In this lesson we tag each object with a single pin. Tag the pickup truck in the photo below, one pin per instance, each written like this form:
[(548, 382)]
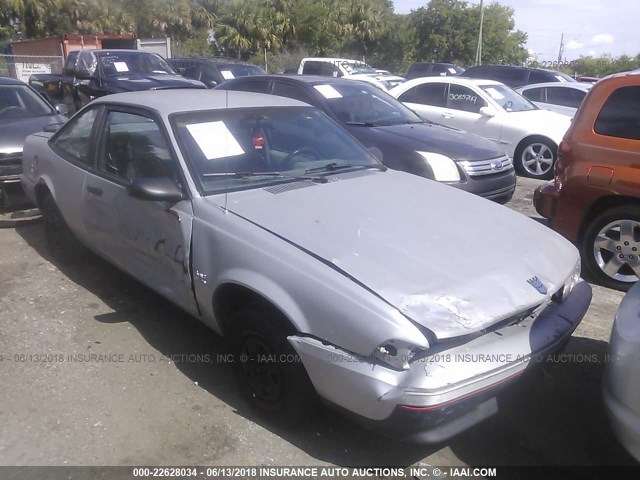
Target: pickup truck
[(90, 74)]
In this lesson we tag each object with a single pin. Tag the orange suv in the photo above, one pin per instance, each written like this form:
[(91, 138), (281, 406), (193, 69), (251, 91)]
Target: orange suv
[(594, 199)]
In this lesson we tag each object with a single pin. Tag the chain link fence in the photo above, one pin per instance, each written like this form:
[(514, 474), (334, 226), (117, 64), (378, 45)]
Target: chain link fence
[(22, 66)]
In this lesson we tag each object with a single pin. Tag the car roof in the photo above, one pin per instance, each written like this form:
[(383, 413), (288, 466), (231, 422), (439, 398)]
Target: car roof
[(331, 59), (10, 81), (306, 79), (216, 60), (575, 86), (170, 101), (452, 79)]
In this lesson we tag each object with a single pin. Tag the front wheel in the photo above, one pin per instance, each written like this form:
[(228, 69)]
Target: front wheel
[(535, 158), (611, 247), (270, 373)]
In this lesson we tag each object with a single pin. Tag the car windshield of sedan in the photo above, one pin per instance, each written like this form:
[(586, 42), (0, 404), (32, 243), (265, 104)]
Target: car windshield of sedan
[(508, 99), (357, 67), (19, 101), (124, 63), (236, 149), (366, 105)]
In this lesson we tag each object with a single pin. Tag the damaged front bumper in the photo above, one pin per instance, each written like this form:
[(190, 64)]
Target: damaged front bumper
[(443, 393)]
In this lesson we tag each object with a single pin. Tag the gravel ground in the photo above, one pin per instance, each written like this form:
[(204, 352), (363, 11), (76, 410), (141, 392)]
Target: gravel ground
[(145, 400)]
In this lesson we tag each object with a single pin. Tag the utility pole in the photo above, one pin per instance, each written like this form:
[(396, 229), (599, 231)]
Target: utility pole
[(479, 49), (561, 51)]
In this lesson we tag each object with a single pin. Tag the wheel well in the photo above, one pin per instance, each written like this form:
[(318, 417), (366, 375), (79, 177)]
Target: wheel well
[(230, 297), (41, 191), (531, 138), (602, 205)]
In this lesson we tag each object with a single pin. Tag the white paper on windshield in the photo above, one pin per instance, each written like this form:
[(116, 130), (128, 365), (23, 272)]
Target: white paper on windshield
[(327, 91), (452, 71), (495, 94), (227, 74), (215, 140), (121, 66)]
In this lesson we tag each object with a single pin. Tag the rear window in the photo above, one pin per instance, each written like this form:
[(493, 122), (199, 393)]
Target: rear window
[(620, 115)]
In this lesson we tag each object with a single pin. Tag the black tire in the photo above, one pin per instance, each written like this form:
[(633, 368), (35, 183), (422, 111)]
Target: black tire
[(621, 227), (542, 167), (62, 243), (270, 374)]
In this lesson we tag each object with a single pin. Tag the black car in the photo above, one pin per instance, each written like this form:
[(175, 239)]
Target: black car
[(395, 133), (515, 76), (23, 111), (213, 71), (432, 69), (90, 74)]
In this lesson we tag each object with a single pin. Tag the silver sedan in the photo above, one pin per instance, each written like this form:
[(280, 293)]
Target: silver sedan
[(406, 303)]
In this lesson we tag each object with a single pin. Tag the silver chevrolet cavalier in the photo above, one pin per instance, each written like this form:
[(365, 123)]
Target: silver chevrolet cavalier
[(406, 303)]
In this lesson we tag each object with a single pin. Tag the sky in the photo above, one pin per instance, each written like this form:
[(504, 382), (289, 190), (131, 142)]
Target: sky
[(590, 27)]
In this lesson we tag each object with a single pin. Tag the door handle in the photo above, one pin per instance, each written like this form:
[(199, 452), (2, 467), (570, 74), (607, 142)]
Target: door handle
[(95, 191)]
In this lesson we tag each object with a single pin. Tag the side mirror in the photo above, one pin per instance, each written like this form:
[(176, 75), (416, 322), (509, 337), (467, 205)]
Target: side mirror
[(155, 189), (211, 84), (62, 109), (487, 112)]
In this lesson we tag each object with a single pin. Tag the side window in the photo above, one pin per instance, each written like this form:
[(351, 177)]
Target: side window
[(567, 97), (70, 64), (620, 115), (465, 99), (535, 94), (134, 146), (510, 76), (312, 68), (330, 70), (189, 69), (255, 86), (540, 77), (208, 74), (291, 91), (426, 94), (74, 139)]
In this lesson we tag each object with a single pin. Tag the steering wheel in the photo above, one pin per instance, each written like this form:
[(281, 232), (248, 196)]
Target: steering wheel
[(303, 150), (5, 110)]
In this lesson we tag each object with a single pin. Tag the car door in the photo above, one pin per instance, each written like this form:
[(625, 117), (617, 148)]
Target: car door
[(149, 239), (463, 112), (428, 100), (74, 146)]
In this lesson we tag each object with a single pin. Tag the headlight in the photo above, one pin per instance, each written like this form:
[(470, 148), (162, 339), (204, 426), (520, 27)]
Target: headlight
[(444, 169), (395, 354), (570, 283)]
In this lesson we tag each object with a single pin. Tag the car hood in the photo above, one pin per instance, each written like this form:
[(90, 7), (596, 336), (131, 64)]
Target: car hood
[(426, 137), (13, 132), (551, 124), (134, 83), (447, 259)]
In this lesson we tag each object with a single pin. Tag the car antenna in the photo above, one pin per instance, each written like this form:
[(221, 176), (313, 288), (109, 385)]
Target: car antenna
[(226, 190)]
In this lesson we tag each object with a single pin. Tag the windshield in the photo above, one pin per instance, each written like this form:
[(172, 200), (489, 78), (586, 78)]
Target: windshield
[(236, 149), (354, 67), (19, 101), (358, 103), (134, 63), (508, 99), (239, 70), (389, 84)]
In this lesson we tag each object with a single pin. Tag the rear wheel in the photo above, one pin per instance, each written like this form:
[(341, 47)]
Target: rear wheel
[(271, 376), (611, 247), (61, 241), (536, 157)]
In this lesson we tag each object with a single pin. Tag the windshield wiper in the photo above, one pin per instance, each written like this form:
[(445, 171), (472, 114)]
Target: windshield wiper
[(362, 124), (330, 167), (246, 175)]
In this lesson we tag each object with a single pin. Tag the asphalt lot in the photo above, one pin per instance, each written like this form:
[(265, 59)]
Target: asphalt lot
[(149, 400)]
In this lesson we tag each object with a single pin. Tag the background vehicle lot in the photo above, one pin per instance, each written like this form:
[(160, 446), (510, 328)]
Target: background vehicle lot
[(149, 411)]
